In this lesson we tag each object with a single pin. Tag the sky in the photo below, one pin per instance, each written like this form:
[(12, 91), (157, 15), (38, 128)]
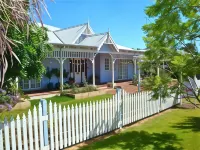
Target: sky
[(124, 18)]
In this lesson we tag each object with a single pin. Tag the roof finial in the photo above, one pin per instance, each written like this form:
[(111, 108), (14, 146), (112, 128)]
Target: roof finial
[(88, 21), (109, 31)]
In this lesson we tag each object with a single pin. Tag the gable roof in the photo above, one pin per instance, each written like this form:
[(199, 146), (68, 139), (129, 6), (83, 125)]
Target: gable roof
[(70, 35), (95, 40)]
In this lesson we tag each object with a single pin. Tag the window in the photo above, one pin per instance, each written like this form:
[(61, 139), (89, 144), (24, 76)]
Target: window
[(123, 69), (25, 84), (107, 64), (30, 84)]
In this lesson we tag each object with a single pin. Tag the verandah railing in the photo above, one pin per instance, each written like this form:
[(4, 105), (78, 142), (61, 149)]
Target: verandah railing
[(57, 127)]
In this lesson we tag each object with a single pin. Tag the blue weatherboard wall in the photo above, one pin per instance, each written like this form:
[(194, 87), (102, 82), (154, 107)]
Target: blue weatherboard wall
[(105, 75), (53, 63)]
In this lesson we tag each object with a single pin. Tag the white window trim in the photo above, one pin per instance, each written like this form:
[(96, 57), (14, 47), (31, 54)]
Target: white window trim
[(109, 64), (29, 85)]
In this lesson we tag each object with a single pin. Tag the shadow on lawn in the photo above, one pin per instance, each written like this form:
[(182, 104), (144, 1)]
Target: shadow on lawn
[(139, 141), (190, 123)]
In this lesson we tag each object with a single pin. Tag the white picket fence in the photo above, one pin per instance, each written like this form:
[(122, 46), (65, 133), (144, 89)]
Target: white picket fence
[(68, 126)]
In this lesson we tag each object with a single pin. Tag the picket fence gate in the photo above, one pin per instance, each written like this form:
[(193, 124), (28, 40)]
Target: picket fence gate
[(58, 127)]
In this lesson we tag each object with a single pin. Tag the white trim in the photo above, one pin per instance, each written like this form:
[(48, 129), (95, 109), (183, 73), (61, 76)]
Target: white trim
[(29, 85), (124, 70), (109, 64), (102, 43), (114, 43), (79, 35)]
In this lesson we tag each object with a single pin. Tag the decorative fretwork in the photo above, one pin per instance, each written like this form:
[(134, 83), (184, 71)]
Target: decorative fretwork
[(69, 54)]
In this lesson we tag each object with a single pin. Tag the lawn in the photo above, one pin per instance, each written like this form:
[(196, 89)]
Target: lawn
[(178, 129), (63, 100)]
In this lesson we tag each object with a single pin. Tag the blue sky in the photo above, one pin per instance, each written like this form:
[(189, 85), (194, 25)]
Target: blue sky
[(124, 18)]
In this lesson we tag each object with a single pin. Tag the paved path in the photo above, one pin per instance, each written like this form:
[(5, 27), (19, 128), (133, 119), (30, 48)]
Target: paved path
[(127, 86)]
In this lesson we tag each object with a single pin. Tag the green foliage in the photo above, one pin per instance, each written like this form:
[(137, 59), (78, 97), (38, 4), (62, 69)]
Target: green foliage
[(75, 89), (56, 72), (4, 99), (65, 73), (49, 74), (85, 83), (171, 39), (31, 49), (158, 85), (135, 79), (66, 86), (88, 88)]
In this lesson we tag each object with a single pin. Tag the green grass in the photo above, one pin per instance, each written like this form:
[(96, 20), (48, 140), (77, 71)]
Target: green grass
[(175, 130), (63, 100)]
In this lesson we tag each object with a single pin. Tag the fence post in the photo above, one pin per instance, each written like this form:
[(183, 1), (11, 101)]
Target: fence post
[(119, 101), (45, 122)]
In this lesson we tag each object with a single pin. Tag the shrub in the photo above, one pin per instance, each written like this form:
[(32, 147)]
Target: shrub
[(57, 85), (7, 100), (85, 83), (66, 86), (75, 90), (91, 88), (135, 79), (74, 85), (88, 88), (64, 93), (50, 86)]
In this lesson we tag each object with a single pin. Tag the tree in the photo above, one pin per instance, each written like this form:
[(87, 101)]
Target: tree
[(31, 51), (171, 39), (16, 14)]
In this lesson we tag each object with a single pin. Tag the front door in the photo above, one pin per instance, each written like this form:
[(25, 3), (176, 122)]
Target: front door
[(78, 69), (123, 70)]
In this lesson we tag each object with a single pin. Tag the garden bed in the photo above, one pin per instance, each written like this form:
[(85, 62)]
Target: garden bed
[(86, 95), (22, 104)]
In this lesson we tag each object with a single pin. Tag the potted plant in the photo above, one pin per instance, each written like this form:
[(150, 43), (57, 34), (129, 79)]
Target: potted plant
[(49, 75)]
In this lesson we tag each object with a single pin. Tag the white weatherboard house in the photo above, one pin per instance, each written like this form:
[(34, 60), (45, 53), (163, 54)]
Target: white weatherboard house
[(86, 55)]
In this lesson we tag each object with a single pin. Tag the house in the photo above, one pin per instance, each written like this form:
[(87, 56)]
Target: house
[(86, 55)]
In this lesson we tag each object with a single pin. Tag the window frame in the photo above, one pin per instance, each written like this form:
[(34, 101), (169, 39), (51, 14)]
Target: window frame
[(107, 64), (26, 84)]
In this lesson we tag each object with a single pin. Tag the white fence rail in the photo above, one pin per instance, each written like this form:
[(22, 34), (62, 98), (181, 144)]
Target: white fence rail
[(66, 126)]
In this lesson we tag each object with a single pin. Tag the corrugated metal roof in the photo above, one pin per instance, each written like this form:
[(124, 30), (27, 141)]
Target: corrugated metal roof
[(50, 28), (53, 39), (123, 47), (95, 40), (70, 35)]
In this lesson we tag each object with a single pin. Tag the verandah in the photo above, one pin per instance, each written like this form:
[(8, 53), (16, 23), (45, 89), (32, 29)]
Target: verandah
[(78, 57)]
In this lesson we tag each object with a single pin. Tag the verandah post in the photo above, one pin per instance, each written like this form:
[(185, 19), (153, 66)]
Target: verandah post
[(45, 122), (61, 71), (119, 106), (139, 78), (93, 71)]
